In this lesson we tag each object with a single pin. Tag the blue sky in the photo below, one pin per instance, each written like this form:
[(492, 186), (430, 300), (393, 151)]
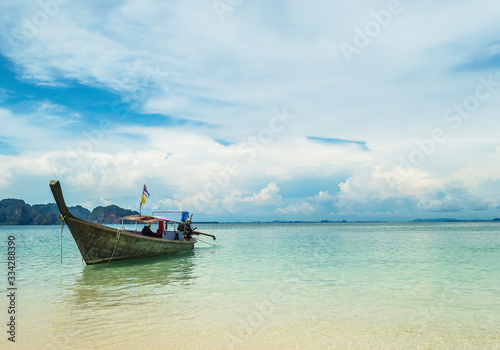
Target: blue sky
[(250, 110)]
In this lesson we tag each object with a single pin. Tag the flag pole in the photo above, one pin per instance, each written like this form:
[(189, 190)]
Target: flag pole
[(140, 207), (140, 210), (143, 201)]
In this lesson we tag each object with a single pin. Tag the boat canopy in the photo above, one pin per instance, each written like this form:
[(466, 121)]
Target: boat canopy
[(145, 219)]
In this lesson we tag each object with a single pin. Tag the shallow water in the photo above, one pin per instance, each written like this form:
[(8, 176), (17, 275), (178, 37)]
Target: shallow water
[(288, 286)]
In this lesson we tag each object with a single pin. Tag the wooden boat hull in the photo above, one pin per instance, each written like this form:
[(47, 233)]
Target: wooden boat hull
[(100, 244)]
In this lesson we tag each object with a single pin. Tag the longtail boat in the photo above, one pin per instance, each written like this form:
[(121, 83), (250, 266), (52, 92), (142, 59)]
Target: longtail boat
[(101, 244)]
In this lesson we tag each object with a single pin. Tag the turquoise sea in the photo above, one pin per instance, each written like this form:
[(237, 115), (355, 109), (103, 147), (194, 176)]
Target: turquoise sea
[(265, 286)]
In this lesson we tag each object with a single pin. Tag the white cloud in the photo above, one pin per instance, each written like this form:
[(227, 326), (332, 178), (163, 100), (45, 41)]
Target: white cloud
[(232, 203), (208, 60), (180, 60), (301, 209), (267, 196)]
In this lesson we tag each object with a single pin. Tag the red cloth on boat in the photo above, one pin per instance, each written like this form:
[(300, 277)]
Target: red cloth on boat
[(160, 228)]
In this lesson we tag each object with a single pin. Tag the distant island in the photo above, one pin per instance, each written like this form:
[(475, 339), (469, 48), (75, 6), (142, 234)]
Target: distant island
[(17, 212), (451, 220)]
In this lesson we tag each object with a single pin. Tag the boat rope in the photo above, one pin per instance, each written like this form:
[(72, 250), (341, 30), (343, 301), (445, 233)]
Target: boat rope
[(62, 228), (118, 232), (216, 245)]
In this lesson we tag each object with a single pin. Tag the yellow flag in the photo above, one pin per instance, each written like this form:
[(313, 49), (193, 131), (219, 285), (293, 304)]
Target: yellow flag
[(143, 200)]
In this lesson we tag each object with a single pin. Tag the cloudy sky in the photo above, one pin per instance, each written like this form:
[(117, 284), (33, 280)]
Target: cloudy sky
[(254, 110)]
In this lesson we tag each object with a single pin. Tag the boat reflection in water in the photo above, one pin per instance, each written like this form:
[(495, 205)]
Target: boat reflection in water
[(125, 282), (113, 305)]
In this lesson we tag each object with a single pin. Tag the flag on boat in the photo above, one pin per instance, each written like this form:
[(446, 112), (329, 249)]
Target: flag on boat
[(144, 194)]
